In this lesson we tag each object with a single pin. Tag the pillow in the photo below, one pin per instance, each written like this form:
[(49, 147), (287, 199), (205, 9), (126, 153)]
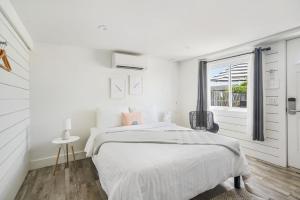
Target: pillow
[(149, 113), (110, 117), (133, 118)]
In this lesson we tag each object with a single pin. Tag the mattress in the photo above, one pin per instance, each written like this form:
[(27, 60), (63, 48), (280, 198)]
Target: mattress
[(147, 171)]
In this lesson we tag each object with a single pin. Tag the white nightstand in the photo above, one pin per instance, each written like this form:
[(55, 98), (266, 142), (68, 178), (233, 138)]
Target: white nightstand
[(61, 142)]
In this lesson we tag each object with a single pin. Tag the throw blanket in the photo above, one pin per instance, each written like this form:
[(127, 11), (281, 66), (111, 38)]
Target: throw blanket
[(166, 137)]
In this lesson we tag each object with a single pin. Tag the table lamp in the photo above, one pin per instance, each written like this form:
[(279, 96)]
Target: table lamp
[(68, 126)]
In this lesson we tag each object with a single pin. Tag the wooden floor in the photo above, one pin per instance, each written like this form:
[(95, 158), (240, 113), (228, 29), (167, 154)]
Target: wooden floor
[(80, 182)]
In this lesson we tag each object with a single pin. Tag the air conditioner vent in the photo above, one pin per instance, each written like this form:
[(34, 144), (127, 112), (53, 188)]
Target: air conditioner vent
[(129, 67), (126, 61)]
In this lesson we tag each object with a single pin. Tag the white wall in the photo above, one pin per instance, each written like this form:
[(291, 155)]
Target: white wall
[(14, 112), (188, 88), (68, 81), (235, 124)]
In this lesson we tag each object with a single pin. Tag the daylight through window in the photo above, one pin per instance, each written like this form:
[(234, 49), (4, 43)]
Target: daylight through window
[(228, 85)]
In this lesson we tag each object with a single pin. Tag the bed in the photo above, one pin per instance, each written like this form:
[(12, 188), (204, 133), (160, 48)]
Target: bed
[(157, 169)]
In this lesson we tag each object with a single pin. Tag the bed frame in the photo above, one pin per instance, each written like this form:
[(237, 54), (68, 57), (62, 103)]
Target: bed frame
[(237, 185)]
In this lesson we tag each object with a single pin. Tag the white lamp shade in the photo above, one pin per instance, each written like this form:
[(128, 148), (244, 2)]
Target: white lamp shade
[(68, 124)]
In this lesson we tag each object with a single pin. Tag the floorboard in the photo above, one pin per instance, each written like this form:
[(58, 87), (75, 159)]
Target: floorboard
[(80, 182)]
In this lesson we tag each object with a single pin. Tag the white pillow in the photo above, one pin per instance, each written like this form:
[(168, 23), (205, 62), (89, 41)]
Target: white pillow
[(149, 113), (110, 117)]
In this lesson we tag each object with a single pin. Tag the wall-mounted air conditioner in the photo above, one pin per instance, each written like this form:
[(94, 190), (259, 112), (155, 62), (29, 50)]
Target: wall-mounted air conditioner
[(127, 61)]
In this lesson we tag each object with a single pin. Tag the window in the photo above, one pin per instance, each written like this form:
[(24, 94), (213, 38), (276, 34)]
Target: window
[(219, 85), (227, 84), (239, 75)]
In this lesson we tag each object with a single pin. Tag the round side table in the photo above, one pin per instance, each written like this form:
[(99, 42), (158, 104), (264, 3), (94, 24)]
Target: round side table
[(61, 142)]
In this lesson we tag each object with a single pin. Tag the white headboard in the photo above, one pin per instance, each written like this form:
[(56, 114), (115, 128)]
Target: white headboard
[(111, 116)]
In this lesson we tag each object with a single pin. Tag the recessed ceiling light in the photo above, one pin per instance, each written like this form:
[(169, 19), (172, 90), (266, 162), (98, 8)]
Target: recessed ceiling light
[(102, 27)]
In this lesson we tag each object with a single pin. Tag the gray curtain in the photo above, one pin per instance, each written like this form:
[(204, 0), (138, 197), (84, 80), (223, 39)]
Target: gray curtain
[(202, 94), (258, 105)]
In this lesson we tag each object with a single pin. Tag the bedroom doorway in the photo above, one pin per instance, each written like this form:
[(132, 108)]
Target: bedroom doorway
[(293, 95)]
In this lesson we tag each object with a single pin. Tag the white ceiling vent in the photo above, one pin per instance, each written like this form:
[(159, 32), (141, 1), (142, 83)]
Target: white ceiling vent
[(127, 61)]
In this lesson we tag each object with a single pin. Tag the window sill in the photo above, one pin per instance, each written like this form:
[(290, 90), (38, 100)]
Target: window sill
[(228, 109)]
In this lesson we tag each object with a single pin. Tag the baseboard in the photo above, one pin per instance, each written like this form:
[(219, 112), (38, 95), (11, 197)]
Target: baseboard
[(49, 161)]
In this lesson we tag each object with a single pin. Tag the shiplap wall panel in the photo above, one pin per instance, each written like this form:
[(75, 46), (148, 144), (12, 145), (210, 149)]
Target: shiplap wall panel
[(16, 176), (232, 114), (10, 120), (14, 54), (267, 143), (272, 117), (10, 163), (259, 153), (232, 120), (8, 32), (260, 147), (7, 135), (273, 134), (234, 123), (8, 149), (9, 92), (272, 92), (271, 66), (271, 58), (236, 128), (17, 60), (17, 57), (237, 135), (271, 109), (19, 70), (14, 113), (275, 49), (272, 125), (13, 80), (11, 106), (274, 61)]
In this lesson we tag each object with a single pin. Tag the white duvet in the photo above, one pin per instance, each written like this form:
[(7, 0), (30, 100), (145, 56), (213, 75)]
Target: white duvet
[(147, 171)]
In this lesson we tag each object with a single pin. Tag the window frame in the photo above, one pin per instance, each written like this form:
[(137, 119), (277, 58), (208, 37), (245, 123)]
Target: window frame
[(229, 62)]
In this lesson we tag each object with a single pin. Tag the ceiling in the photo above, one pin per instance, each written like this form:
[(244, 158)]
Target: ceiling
[(173, 29)]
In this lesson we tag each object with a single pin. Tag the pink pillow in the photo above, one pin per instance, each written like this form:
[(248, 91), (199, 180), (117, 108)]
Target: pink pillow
[(133, 118)]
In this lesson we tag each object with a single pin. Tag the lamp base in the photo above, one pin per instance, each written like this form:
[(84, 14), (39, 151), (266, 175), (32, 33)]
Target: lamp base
[(66, 135)]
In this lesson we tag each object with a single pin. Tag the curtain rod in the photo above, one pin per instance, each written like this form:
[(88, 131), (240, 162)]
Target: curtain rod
[(242, 54)]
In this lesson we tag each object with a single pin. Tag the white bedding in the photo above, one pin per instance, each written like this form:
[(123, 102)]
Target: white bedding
[(143, 171)]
